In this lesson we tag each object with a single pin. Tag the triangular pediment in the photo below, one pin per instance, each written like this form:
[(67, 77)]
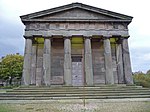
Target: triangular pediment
[(76, 11)]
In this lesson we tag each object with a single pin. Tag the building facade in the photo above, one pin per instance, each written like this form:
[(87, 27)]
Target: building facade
[(76, 45)]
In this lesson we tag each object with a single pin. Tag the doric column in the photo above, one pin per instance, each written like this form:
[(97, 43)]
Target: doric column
[(47, 61), (119, 62), (67, 61), (108, 61), (33, 65), (27, 62), (39, 65), (126, 62), (88, 62)]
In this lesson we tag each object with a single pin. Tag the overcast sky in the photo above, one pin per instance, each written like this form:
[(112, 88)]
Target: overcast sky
[(12, 30)]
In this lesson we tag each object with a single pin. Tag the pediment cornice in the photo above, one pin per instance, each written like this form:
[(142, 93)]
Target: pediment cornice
[(78, 12)]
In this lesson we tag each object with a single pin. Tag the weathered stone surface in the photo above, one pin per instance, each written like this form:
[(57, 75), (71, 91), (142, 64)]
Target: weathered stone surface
[(114, 62), (98, 61), (33, 64), (77, 13), (47, 62), (57, 80), (119, 64), (27, 62), (83, 32), (39, 66), (53, 65), (88, 62), (57, 60), (77, 72), (74, 26), (126, 62), (108, 62), (67, 62), (99, 79)]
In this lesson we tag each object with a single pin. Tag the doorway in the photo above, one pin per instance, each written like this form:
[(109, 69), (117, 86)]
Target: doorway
[(77, 71)]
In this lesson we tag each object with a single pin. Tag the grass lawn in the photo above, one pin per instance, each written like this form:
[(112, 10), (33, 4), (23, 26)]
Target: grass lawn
[(76, 106)]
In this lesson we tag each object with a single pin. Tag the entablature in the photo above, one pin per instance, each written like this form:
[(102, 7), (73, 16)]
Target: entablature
[(103, 33)]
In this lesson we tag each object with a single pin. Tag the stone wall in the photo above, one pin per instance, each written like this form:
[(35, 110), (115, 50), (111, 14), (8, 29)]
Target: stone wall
[(113, 52), (98, 61), (57, 68)]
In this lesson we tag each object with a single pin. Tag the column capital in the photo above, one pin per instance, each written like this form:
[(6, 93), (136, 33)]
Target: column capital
[(37, 35), (125, 37), (28, 37), (106, 37), (87, 37), (67, 37), (119, 41), (47, 37)]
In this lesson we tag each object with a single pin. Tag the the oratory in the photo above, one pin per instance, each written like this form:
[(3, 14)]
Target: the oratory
[(76, 45)]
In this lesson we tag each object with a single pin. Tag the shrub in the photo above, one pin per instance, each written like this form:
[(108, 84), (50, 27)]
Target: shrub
[(142, 79)]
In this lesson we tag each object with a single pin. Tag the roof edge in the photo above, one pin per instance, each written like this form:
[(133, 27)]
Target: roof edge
[(75, 5)]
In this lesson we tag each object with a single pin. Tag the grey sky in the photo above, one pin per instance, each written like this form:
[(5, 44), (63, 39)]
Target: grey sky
[(11, 28)]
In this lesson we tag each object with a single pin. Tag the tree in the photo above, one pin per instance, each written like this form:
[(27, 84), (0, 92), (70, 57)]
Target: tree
[(142, 79), (11, 67), (148, 72)]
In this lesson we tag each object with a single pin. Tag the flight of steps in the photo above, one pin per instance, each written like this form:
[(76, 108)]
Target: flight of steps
[(66, 92)]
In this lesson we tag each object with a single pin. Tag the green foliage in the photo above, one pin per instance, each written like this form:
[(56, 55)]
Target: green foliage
[(142, 79), (11, 67), (148, 72)]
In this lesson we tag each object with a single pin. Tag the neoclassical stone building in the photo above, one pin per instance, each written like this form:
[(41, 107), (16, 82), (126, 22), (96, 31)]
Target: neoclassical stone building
[(76, 45)]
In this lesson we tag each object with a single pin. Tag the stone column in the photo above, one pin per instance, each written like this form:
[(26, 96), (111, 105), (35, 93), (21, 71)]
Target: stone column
[(47, 61), (33, 65), (39, 65), (119, 62), (126, 62), (27, 62), (108, 62), (88, 62), (67, 61)]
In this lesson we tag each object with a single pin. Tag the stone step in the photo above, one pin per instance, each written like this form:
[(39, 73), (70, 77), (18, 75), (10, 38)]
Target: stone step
[(71, 97), (79, 92), (75, 90), (65, 92), (77, 87), (73, 94)]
